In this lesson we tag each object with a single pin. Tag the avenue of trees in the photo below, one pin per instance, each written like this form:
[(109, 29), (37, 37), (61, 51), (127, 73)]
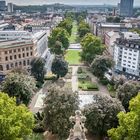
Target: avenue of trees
[(58, 41), (91, 46), (59, 67), (83, 28), (38, 69)]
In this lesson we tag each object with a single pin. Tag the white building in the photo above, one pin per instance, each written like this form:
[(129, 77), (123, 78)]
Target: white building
[(10, 7), (127, 53)]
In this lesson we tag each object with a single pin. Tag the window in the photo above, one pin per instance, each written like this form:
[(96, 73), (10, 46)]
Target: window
[(1, 68), (129, 62), (11, 65), (134, 58), (28, 62), (10, 51), (27, 54), (19, 55), (24, 63), (7, 67), (129, 57), (10, 57), (20, 63), (6, 58), (23, 49), (130, 53), (5, 52), (0, 58), (27, 48), (18, 50), (31, 48), (16, 64), (31, 53), (14, 50), (15, 57), (128, 65), (23, 55), (133, 66)]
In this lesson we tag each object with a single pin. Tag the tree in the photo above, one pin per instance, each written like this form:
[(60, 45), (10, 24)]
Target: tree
[(58, 35), (60, 104), (100, 65), (91, 46), (126, 92), (59, 67), (101, 114), (129, 123), (137, 30), (83, 29), (16, 122), (20, 86), (38, 69), (66, 24)]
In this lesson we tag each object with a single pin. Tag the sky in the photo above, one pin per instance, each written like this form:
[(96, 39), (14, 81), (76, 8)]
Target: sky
[(80, 2)]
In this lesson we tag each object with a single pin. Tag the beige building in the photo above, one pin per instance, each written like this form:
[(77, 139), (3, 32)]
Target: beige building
[(14, 54)]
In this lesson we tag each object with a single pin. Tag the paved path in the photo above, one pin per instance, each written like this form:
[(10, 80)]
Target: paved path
[(75, 46), (74, 79)]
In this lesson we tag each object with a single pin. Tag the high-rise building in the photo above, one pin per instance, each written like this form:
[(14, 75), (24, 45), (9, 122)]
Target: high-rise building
[(10, 7), (2, 5), (126, 8)]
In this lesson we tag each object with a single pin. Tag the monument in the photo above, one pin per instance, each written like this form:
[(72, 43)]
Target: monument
[(78, 131)]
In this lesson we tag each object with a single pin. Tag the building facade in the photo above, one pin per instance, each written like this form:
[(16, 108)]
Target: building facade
[(19, 52), (14, 54), (2, 5), (127, 54), (10, 7), (126, 8)]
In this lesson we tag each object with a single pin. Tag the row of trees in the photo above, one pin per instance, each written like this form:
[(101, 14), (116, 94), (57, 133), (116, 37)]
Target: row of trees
[(58, 41), (83, 27)]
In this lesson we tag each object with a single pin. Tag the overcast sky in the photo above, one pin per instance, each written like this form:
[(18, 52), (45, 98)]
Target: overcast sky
[(90, 2)]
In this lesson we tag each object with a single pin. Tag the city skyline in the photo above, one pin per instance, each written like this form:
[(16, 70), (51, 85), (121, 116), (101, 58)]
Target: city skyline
[(80, 2)]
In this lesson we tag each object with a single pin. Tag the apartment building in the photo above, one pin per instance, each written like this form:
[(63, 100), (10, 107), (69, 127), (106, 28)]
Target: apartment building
[(127, 53), (110, 38)]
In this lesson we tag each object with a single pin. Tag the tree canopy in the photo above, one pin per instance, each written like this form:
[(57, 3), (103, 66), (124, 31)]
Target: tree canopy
[(60, 104), (59, 67), (58, 35), (66, 24), (91, 46), (83, 29), (16, 122), (129, 123), (101, 114), (126, 92), (38, 69), (20, 86), (100, 65)]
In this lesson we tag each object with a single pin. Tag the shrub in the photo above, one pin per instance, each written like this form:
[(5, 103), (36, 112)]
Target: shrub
[(50, 77), (104, 81)]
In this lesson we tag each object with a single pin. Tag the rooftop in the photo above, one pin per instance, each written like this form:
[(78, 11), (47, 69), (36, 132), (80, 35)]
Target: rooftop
[(13, 43)]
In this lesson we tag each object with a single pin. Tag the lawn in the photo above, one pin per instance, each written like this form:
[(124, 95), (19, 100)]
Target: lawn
[(88, 86), (73, 37), (73, 57)]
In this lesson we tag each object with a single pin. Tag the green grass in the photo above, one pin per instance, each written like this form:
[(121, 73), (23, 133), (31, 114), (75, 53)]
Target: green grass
[(73, 57), (88, 86), (74, 36)]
